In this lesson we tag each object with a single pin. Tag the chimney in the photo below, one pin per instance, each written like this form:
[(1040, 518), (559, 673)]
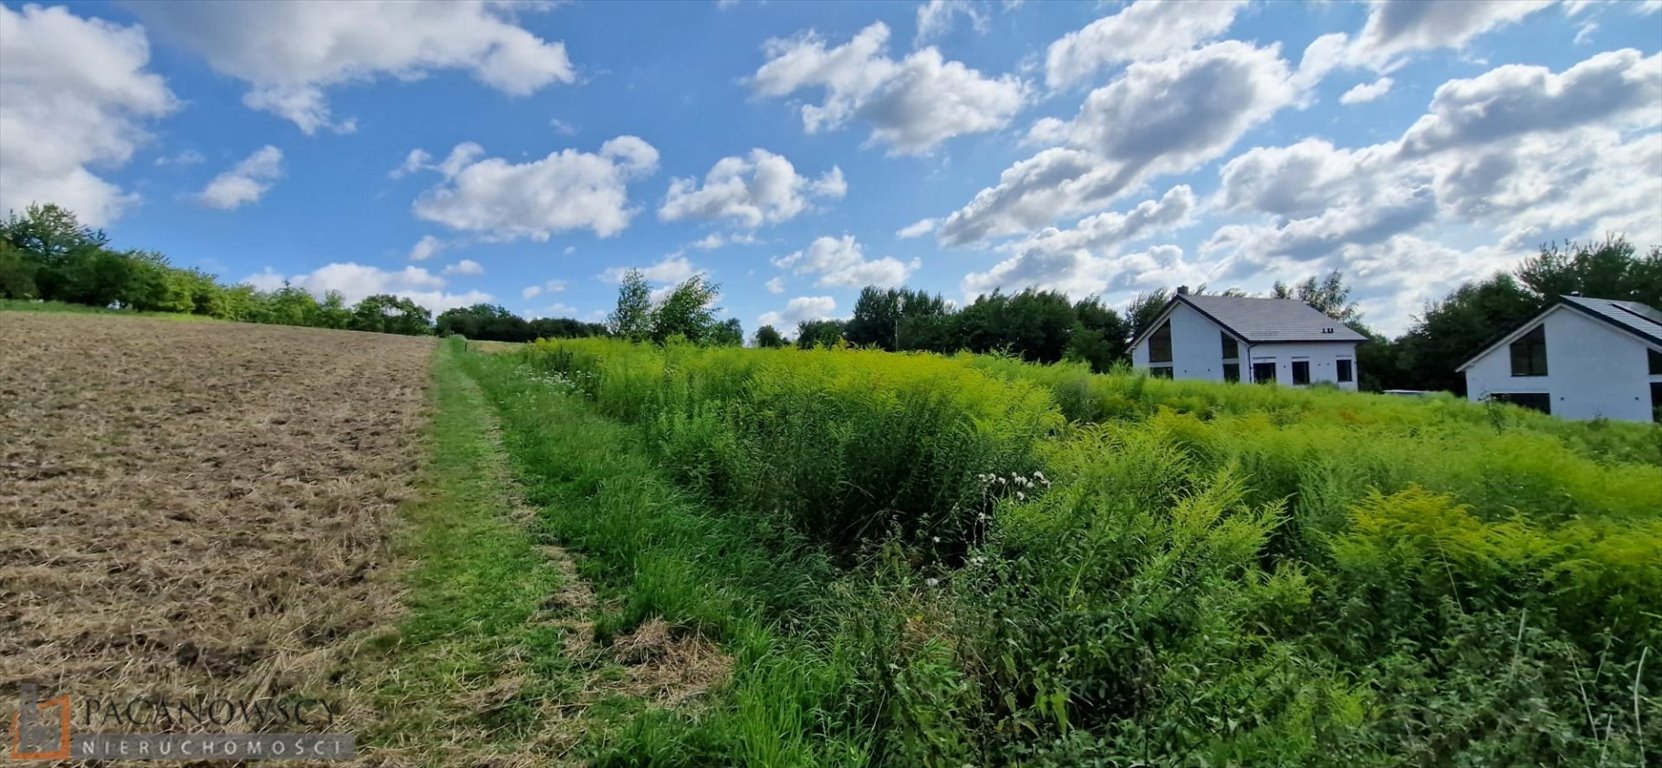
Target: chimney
[(1182, 290)]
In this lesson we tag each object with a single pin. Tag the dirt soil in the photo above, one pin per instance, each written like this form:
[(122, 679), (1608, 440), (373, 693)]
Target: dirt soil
[(196, 508)]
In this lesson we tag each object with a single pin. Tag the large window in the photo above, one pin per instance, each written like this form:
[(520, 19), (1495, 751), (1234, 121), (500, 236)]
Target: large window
[(1263, 373), (1655, 360), (1231, 371), (1539, 401), (1231, 348), (1346, 372), (1301, 371), (1159, 371), (1159, 344), (1529, 353)]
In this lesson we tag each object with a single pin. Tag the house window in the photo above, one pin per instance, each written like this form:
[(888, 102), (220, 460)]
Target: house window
[(1345, 373), (1231, 348), (1263, 373), (1529, 353), (1655, 359), (1301, 371), (1159, 345), (1656, 401), (1231, 371), (1160, 371), (1539, 401)]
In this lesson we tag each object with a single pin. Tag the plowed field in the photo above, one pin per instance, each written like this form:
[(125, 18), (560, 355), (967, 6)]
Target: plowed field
[(195, 507)]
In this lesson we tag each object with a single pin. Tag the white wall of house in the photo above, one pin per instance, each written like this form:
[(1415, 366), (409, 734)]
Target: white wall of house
[(1196, 347), (1593, 370), (1197, 353), (1324, 357)]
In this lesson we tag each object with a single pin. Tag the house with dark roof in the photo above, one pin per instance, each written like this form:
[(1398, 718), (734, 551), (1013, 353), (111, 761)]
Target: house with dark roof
[(1235, 338), (1580, 358)]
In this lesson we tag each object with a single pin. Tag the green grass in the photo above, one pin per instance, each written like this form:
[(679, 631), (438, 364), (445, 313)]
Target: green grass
[(23, 305), (449, 681)]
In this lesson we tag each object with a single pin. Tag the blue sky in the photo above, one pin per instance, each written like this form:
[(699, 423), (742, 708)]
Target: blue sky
[(524, 154)]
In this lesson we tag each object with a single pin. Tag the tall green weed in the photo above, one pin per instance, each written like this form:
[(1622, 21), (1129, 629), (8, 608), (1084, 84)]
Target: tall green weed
[(1040, 566)]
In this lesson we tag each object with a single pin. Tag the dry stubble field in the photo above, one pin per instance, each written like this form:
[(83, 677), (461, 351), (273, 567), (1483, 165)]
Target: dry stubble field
[(195, 507)]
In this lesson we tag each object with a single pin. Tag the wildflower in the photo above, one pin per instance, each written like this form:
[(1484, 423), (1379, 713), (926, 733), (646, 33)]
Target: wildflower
[(935, 539), (1021, 496), (931, 582)]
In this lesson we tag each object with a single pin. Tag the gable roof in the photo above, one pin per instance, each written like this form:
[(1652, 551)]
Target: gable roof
[(1639, 319), (1632, 317), (1257, 321)]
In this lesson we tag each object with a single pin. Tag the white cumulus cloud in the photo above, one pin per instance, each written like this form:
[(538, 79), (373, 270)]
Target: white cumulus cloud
[(74, 93), (1080, 273), (1366, 92), (246, 182), (1144, 30), (671, 269), (564, 191), (552, 286), (797, 310), (1398, 27), (935, 17), (1109, 229), (1167, 116), (425, 248), (289, 54), (917, 228), (842, 262), (1615, 86), (912, 104), (760, 188), (465, 267), (1084, 259), (1520, 152)]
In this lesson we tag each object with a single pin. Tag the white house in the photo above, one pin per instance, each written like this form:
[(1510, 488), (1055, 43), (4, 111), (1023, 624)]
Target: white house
[(1223, 338), (1579, 359)]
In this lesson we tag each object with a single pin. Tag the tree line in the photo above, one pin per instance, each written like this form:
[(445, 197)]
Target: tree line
[(46, 254), (1046, 326), (1450, 331)]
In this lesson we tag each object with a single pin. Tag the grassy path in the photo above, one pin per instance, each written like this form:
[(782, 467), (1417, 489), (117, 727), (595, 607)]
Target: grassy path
[(478, 671), (498, 660), (705, 626)]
